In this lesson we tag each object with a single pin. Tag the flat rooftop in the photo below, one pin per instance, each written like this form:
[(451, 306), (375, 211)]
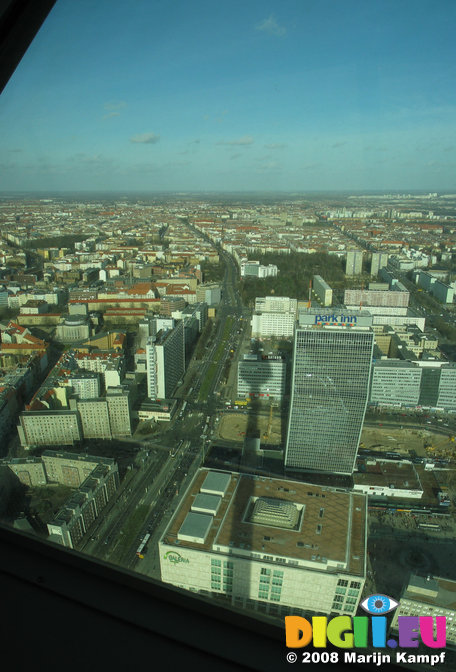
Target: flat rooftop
[(432, 590), (397, 475), (277, 517)]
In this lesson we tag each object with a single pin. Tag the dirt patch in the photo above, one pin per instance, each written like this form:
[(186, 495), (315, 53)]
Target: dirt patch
[(236, 426), (423, 441)]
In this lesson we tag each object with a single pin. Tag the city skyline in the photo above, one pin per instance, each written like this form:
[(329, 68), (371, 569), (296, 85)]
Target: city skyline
[(282, 97)]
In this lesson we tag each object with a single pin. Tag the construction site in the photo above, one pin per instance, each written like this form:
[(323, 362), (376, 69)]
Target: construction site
[(266, 425), (271, 427), (424, 442)]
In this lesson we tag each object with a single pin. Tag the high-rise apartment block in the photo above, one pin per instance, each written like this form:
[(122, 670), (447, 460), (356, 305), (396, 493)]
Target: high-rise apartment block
[(354, 262), (322, 290), (165, 354), (379, 260), (329, 390)]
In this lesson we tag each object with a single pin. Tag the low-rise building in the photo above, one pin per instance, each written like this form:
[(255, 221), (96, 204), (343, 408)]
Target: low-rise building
[(273, 545), (159, 411), (79, 512), (387, 478), (429, 596)]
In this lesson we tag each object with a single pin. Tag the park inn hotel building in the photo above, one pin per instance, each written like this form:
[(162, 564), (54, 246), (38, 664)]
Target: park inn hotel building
[(272, 545), (332, 362)]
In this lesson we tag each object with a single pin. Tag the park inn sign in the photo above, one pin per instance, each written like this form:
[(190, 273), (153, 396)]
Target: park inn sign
[(346, 320), (356, 318)]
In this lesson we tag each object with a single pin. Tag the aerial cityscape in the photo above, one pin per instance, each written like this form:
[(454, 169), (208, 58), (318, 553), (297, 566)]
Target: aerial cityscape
[(227, 303), (265, 388)]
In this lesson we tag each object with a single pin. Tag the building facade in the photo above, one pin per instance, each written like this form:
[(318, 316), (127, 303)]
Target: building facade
[(372, 297), (80, 511), (354, 262), (379, 260), (322, 290), (265, 325), (395, 382), (49, 428), (165, 359), (332, 362), (428, 384), (261, 377)]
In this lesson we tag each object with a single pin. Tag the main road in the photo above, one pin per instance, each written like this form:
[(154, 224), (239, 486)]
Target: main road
[(145, 499)]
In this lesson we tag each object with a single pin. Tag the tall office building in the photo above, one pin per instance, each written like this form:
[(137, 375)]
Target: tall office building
[(330, 386)]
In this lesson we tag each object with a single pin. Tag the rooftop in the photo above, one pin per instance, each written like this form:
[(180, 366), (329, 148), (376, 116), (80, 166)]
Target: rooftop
[(432, 590), (274, 517), (388, 474)]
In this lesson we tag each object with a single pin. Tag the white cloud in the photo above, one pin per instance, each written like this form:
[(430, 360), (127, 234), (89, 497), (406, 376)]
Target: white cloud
[(146, 138), (276, 145), (268, 166), (113, 108), (245, 140), (271, 27)]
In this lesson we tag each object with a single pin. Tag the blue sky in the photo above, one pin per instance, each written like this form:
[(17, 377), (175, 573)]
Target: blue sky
[(291, 96)]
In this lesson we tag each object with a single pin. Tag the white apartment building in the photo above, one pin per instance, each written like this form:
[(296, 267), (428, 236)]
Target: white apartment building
[(117, 399), (268, 544), (276, 304), (379, 260), (257, 270), (258, 377), (265, 325), (69, 468), (165, 358), (94, 418), (373, 297), (395, 382), (354, 262), (85, 384), (322, 290), (61, 428), (101, 480), (274, 316)]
